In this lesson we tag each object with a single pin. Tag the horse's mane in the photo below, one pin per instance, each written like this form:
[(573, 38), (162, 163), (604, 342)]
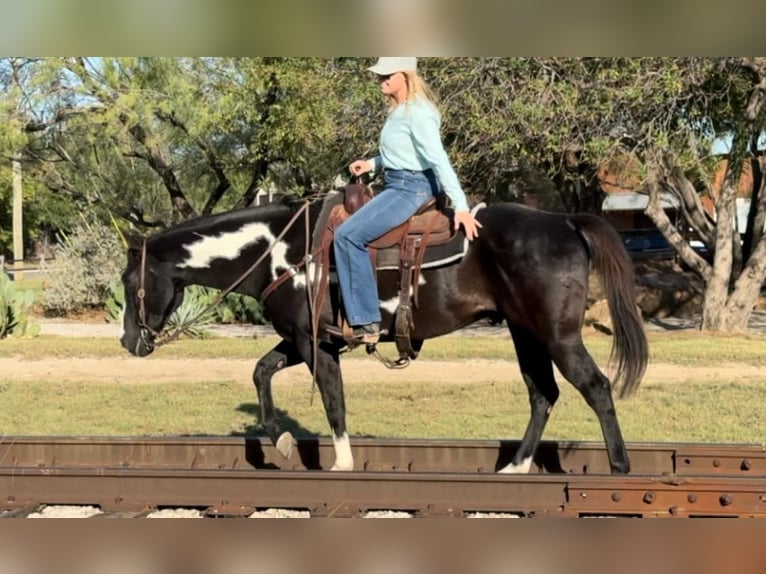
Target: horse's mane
[(202, 224)]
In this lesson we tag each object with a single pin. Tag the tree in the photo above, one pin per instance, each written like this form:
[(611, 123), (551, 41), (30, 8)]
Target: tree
[(730, 101), (159, 140), (19, 99)]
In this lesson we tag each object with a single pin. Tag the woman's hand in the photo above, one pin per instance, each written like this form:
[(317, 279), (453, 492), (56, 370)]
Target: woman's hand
[(470, 224), (360, 167)]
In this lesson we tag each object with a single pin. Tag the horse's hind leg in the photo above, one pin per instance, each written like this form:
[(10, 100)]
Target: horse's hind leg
[(537, 372), (576, 364), (285, 354)]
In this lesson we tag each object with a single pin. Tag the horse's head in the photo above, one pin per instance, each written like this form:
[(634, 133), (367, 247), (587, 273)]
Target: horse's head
[(151, 295)]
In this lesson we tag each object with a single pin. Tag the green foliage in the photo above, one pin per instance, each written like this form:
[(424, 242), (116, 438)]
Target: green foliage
[(88, 260), (238, 308), (15, 307), (195, 311), (158, 140), (115, 301), (42, 214)]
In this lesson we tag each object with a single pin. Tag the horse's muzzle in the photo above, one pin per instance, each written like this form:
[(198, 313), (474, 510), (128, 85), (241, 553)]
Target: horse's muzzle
[(144, 344)]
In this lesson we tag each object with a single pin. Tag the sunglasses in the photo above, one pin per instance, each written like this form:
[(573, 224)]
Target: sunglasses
[(386, 77)]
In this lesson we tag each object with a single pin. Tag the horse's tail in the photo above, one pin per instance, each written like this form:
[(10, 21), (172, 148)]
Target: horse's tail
[(612, 261)]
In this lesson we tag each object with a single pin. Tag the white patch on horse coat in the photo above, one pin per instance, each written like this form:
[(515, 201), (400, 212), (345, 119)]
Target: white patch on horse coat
[(344, 460), (229, 245), (522, 468), (391, 304)]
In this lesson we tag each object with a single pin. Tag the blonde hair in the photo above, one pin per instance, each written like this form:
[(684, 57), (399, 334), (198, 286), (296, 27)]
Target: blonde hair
[(416, 87)]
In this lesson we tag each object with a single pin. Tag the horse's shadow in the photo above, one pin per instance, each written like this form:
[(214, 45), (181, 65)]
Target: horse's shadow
[(308, 452), (308, 441), (286, 422)]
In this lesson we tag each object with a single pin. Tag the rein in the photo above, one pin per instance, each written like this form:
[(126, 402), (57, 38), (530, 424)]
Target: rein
[(164, 337)]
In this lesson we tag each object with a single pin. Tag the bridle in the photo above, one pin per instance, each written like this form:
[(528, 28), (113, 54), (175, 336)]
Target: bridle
[(144, 330), (151, 338)]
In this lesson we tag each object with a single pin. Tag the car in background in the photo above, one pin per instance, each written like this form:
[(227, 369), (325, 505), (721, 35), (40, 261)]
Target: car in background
[(646, 243), (650, 243)]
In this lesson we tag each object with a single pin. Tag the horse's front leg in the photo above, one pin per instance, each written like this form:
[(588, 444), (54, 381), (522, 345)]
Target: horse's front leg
[(330, 384), (285, 354)]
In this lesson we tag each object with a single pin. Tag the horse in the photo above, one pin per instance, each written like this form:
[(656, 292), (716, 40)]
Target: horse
[(527, 267)]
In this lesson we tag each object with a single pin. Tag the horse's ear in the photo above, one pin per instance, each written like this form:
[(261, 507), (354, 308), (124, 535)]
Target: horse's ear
[(134, 240)]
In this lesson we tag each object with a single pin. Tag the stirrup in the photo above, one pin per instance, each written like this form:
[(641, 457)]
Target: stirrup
[(365, 338), (366, 334), (354, 338)]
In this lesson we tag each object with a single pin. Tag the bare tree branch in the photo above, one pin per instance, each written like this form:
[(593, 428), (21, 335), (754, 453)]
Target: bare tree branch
[(656, 212), (212, 158), (692, 209), (158, 162)]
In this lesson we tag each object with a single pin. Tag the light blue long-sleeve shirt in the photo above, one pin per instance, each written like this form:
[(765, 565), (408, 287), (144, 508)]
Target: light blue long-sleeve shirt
[(411, 140)]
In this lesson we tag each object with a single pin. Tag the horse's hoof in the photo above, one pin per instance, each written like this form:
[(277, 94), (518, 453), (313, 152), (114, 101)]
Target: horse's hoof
[(285, 444), (341, 468), (522, 468)]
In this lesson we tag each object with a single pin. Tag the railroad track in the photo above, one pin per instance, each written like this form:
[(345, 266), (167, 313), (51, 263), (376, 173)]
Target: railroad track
[(231, 476)]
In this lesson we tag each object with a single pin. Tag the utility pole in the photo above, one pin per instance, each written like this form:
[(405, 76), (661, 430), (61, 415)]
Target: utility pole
[(18, 222)]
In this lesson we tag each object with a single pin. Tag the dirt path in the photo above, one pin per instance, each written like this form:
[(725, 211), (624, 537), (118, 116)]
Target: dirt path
[(127, 370)]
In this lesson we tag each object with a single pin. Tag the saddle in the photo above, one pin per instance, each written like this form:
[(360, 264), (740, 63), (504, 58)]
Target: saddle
[(428, 226)]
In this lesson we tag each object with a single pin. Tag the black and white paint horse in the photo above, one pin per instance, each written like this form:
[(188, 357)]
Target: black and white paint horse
[(527, 267)]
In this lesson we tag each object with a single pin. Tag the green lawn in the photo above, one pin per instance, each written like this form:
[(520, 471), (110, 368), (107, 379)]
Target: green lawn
[(727, 410)]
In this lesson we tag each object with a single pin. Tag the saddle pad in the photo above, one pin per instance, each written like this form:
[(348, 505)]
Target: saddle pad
[(435, 255)]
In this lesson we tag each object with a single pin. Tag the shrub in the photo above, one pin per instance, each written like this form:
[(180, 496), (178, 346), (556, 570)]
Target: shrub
[(239, 308), (87, 261)]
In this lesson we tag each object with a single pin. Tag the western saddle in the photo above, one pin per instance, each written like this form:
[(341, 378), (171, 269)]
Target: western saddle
[(428, 226)]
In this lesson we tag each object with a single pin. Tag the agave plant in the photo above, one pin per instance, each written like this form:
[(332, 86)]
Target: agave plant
[(196, 308), (196, 300)]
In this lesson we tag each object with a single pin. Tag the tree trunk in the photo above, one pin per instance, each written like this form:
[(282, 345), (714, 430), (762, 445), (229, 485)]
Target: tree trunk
[(18, 220), (746, 290), (756, 217), (714, 312), (657, 214)]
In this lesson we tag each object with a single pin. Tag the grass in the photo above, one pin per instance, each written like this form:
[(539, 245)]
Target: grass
[(727, 410), (35, 284), (716, 412), (679, 348)]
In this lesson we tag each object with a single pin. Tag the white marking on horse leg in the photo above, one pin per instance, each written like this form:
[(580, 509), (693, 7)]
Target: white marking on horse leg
[(285, 444), (522, 468), (344, 460)]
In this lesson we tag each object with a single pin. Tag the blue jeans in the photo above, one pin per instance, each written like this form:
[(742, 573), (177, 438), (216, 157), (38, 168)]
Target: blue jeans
[(404, 192)]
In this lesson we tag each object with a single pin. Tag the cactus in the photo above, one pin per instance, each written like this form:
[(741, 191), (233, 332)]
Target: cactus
[(15, 308), (6, 309), (115, 301)]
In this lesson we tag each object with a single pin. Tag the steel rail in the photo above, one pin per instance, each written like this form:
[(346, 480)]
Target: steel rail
[(482, 456), (233, 476), (239, 492)]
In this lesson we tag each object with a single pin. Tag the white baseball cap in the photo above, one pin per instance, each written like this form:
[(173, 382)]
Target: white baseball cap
[(387, 66)]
